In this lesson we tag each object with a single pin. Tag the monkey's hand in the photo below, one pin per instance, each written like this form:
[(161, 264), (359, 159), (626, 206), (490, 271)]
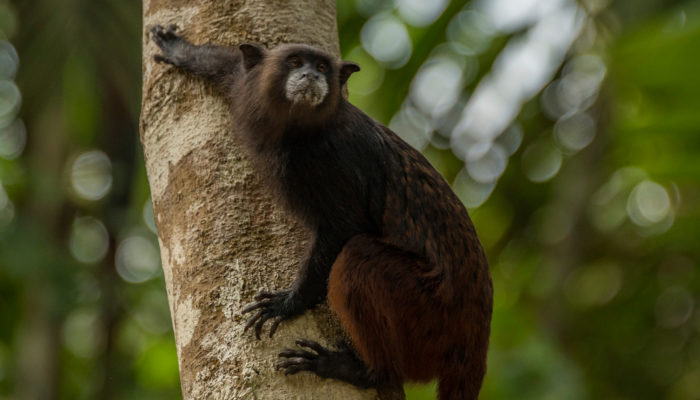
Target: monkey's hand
[(277, 306), (174, 47)]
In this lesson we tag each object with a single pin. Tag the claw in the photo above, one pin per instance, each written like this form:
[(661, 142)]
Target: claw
[(252, 321), (255, 306), (259, 326), (275, 324), (265, 295)]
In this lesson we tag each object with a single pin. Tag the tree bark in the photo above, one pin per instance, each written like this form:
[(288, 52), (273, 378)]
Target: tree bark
[(222, 239)]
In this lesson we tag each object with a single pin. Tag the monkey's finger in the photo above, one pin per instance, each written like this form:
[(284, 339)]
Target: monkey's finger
[(311, 345), (266, 295), (159, 32), (168, 34), (275, 324), (172, 28), (259, 325), (253, 320), (293, 366), (255, 306), (161, 59), (291, 353), (160, 35), (155, 29), (158, 39)]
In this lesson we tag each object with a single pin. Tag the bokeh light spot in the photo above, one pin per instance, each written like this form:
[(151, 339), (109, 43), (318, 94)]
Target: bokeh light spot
[(609, 203), (472, 193), (7, 209), (9, 60), (13, 138), (579, 86), (413, 127), (137, 259), (437, 86), (593, 285), (89, 240), (511, 139), (81, 333), (91, 175), (674, 306), (574, 132), (10, 101), (471, 31), (369, 8), (490, 166), (648, 204), (148, 217), (541, 161), (421, 12), (385, 37)]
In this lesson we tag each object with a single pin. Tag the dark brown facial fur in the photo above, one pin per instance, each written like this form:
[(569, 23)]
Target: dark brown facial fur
[(395, 252), (272, 75)]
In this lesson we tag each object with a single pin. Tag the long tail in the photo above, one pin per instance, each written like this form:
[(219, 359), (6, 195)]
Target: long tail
[(459, 386), (462, 379)]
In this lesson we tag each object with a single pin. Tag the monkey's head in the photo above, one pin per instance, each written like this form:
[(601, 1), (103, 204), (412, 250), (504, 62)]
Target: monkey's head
[(299, 77)]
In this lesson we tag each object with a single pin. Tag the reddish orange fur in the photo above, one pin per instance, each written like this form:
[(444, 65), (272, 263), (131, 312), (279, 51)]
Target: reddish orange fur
[(399, 329)]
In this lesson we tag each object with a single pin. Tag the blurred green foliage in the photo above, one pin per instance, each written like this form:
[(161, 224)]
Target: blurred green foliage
[(595, 265)]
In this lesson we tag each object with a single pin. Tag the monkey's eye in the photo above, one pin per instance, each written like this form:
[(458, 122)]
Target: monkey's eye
[(321, 67), (295, 62)]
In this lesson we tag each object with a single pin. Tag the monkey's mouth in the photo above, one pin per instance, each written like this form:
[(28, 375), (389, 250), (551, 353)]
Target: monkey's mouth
[(306, 91)]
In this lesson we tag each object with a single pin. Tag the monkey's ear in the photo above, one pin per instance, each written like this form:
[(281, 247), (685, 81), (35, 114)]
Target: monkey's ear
[(252, 54), (346, 69)]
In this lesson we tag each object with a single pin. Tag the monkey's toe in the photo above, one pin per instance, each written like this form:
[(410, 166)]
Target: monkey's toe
[(293, 361), (310, 344)]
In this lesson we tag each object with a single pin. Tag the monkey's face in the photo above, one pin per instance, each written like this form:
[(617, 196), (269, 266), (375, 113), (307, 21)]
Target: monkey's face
[(301, 79), (307, 78)]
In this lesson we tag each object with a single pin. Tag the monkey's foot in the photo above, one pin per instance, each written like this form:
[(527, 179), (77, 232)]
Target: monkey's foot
[(170, 43), (342, 364), (277, 306)]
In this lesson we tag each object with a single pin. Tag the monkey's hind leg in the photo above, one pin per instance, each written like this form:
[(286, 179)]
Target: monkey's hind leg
[(341, 364)]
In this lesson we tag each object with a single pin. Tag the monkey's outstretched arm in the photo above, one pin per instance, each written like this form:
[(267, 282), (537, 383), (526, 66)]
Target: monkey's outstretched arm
[(207, 61), (309, 288)]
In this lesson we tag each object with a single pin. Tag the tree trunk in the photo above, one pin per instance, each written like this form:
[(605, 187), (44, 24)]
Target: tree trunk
[(221, 237)]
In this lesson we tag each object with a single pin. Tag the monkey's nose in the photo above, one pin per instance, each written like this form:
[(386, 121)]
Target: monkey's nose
[(310, 75)]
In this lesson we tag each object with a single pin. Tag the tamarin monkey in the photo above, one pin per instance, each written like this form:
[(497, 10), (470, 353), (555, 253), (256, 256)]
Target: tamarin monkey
[(394, 249)]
